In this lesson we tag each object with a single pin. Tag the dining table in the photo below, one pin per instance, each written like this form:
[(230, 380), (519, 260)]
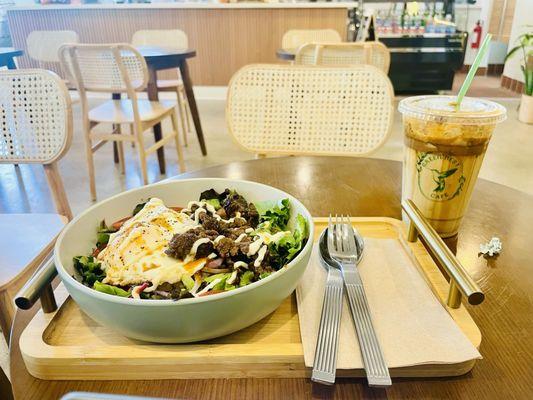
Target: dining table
[(363, 187), (157, 59), (286, 54), (7, 57)]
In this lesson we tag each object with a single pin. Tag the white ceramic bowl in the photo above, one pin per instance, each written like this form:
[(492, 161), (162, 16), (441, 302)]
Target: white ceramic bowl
[(187, 320)]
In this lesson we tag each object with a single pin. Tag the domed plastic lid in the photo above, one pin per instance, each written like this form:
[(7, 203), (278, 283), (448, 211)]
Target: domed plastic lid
[(442, 109)]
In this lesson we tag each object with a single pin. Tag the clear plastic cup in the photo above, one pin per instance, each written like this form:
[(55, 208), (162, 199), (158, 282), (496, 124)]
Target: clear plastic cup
[(443, 153)]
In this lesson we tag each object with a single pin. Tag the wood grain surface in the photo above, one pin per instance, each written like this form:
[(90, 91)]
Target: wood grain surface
[(225, 39), (369, 187), (56, 345)]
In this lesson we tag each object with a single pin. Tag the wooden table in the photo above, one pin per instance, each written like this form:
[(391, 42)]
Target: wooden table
[(368, 187), (7, 57), (162, 58)]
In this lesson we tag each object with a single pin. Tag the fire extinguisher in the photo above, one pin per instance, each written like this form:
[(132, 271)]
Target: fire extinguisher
[(476, 38)]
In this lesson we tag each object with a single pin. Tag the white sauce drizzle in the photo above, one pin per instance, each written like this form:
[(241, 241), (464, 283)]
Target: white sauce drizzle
[(240, 264), (241, 237), (135, 292), (197, 283), (254, 247), (232, 278), (209, 287), (197, 214), (218, 239), (197, 244), (206, 207), (260, 256)]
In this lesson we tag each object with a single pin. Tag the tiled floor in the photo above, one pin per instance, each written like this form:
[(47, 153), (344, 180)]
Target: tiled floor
[(509, 161)]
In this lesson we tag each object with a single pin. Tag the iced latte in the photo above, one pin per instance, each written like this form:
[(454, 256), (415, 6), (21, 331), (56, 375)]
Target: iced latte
[(444, 150)]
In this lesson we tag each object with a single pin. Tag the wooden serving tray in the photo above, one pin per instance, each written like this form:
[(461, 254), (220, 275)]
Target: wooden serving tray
[(69, 345)]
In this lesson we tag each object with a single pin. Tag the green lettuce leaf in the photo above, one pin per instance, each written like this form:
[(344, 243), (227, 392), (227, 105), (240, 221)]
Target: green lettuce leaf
[(274, 215), (246, 278), (102, 235), (89, 269), (110, 289), (187, 281), (263, 275), (138, 208), (289, 245), (214, 202)]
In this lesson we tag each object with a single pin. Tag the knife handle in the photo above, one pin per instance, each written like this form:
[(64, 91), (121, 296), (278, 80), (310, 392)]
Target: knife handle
[(377, 372), (325, 363)]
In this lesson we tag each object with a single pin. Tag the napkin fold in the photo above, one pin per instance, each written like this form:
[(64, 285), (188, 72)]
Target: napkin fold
[(413, 327)]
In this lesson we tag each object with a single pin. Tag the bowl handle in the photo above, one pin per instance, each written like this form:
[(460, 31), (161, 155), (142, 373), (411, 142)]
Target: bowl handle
[(39, 286)]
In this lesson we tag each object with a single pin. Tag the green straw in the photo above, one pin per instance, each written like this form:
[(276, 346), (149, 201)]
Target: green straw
[(472, 71)]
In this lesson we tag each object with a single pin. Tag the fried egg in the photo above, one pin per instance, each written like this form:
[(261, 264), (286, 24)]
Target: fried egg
[(136, 252)]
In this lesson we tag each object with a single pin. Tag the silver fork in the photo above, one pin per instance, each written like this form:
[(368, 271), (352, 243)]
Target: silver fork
[(325, 362), (344, 249)]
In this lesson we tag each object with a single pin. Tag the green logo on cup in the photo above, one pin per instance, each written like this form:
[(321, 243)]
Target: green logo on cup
[(440, 176)]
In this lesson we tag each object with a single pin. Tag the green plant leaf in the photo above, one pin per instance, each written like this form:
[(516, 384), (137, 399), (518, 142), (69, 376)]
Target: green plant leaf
[(512, 52)]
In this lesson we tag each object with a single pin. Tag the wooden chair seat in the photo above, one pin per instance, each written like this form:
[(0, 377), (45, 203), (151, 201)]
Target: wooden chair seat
[(121, 111), (167, 85), (25, 239)]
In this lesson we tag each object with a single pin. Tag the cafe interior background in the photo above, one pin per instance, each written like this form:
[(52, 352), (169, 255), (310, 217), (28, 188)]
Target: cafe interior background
[(431, 44)]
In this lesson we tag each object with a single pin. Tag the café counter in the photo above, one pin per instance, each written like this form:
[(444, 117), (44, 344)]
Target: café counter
[(226, 36)]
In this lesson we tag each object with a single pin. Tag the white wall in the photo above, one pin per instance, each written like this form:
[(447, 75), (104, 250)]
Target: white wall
[(466, 16), (523, 15)]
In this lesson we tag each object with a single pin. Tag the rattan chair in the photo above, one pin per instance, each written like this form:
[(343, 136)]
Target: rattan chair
[(36, 125), (118, 68), (295, 38), (174, 38), (310, 110), (43, 47), (35, 128), (373, 53)]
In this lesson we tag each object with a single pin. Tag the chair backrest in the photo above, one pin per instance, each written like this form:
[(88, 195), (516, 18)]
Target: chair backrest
[(373, 53), (110, 68), (35, 117), (284, 109), (43, 46), (174, 38), (294, 38)]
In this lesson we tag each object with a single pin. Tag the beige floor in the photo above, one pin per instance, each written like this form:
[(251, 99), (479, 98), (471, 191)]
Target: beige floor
[(509, 161)]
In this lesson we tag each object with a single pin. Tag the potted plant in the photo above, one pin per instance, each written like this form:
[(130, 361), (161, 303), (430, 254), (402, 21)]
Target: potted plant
[(524, 48)]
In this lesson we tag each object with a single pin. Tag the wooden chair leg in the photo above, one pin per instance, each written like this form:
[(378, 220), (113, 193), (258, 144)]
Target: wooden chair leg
[(183, 116), (132, 133), (120, 144), (179, 150), (90, 161), (58, 190), (187, 113), (142, 153)]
